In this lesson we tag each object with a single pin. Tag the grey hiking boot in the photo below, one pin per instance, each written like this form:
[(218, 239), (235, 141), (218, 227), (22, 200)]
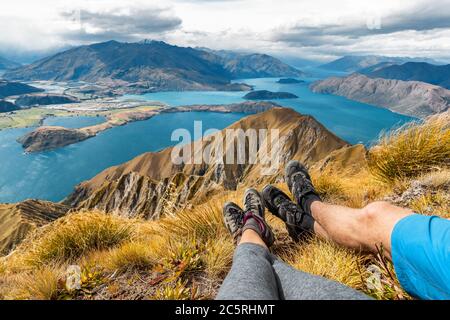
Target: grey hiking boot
[(254, 216), (300, 185), (233, 217), (298, 223)]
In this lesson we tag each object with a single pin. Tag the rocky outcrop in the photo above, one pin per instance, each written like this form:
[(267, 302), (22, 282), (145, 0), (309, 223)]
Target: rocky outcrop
[(412, 98), (151, 185), (17, 220), (268, 95), (38, 99), (49, 138)]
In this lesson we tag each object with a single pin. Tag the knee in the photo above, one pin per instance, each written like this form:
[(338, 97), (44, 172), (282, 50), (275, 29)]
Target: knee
[(371, 213)]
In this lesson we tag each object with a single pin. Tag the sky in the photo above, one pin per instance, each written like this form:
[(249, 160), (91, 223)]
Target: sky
[(319, 30)]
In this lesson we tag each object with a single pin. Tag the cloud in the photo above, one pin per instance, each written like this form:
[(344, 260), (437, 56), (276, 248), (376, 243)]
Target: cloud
[(319, 29), (127, 23), (421, 17)]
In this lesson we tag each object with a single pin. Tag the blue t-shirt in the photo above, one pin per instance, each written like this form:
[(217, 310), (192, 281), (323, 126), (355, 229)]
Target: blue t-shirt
[(421, 256)]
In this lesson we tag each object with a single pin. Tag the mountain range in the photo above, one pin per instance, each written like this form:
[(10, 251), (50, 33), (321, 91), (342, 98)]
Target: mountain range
[(152, 66), (415, 71), (6, 64), (361, 63), (253, 65)]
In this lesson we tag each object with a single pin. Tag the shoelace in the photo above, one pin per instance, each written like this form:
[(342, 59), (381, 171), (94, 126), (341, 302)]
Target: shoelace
[(291, 211), (249, 205), (236, 217)]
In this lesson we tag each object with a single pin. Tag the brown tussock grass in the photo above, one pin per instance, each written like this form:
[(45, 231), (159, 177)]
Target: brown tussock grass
[(412, 150)]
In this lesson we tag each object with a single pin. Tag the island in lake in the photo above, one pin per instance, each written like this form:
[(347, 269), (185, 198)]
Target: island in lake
[(268, 95), (289, 81)]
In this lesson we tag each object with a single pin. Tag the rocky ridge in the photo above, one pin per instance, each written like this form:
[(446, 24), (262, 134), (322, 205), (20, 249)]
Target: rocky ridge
[(412, 98)]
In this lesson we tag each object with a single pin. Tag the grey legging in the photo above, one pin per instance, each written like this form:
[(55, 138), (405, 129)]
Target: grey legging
[(258, 275)]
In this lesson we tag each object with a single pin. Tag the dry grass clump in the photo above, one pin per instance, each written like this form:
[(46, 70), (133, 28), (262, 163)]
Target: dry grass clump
[(37, 284), (74, 236), (326, 259), (174, 291), (130, 255), (354, 190), (204, 222), (432, 203), (412, 150), (329, 185), (218, 258)]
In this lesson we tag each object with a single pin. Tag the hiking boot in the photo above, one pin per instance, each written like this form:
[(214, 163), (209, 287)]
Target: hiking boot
[(254, 216), (233, 217), (300, 185), (298, 223), (292, 167)]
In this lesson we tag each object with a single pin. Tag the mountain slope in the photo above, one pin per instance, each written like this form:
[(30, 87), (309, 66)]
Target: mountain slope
[(6, 64), (416, 71), (8, 88), (6, 106), (253, 65), (156, 62), (146, 185), (407, 97), (149, 66), (356, 63), (17, 220)]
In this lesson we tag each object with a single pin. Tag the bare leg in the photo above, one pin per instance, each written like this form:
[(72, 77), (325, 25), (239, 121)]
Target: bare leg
[(250, 236), (320, 231), (363, 229)]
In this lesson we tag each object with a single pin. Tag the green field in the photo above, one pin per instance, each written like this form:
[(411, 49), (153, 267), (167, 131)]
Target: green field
[(29, 117), (32, 117)]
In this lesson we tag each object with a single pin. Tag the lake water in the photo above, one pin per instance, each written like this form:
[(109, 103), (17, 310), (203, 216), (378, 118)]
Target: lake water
[(353, 121), (52, 175)]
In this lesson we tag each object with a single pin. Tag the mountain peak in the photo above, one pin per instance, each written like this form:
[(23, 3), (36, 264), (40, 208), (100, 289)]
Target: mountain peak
[(153, 65), (153, 173)]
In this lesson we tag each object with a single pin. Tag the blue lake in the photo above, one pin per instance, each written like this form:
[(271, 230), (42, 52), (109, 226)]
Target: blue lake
[(353, 121), (52, 175)]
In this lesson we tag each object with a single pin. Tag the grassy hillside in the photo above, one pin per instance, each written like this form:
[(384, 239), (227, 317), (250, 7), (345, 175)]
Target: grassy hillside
[(187, 253)]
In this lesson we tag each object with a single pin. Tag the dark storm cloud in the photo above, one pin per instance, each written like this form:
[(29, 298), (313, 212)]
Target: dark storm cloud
[(130, 24), (419, 18)]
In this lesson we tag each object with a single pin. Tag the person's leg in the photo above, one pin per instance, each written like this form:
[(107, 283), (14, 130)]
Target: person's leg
[(365, 228), (361, 229), (251, 276), (257, 274), (298, 285)]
